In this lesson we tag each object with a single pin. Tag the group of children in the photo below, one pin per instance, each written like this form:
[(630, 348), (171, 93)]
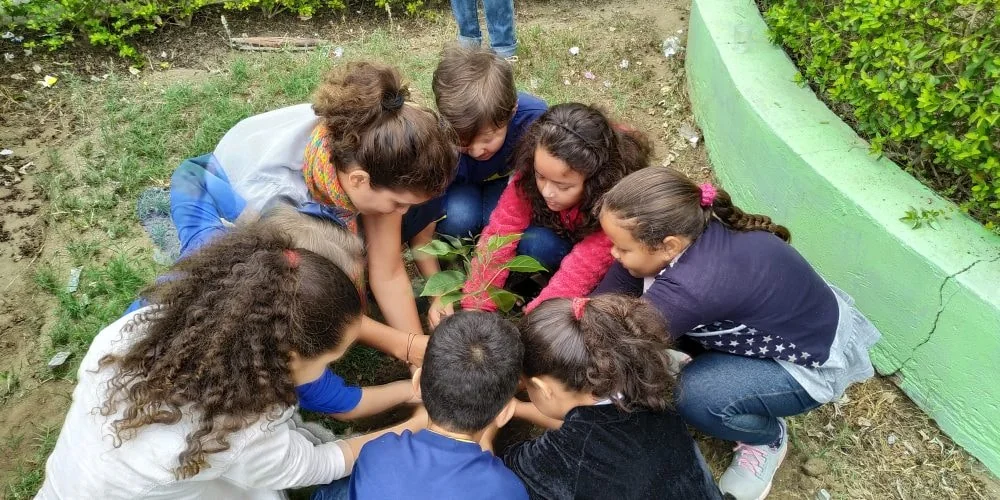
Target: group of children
[(301, 211)]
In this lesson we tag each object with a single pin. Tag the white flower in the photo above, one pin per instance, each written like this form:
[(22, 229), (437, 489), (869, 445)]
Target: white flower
[(574, 50)]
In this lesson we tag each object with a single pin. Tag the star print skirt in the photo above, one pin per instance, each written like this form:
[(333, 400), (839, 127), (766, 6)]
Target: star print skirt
[(849, 361)]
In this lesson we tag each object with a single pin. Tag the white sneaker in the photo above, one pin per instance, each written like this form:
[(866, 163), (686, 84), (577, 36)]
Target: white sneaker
[(750, 475)]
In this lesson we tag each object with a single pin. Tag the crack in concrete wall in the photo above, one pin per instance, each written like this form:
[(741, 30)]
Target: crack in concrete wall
[(942, 304)]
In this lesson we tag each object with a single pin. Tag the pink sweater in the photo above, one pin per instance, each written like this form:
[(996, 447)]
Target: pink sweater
[(579, 272)]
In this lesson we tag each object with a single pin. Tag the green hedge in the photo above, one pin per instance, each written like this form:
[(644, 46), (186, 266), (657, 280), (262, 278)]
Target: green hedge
[(112, 23), (919, 78)]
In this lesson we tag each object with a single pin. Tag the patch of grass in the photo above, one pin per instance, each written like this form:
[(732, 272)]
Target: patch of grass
[(29, 476)]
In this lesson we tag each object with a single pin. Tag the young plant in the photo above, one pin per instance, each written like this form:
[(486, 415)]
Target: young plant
[(448, 284), (918, 218)]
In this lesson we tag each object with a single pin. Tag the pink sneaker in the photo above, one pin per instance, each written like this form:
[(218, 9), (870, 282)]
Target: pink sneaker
[(750, 475)]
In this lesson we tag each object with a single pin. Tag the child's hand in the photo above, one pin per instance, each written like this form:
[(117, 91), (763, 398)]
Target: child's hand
[(438, 312)]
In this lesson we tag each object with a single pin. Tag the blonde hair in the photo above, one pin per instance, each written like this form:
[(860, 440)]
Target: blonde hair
[(322, 237)]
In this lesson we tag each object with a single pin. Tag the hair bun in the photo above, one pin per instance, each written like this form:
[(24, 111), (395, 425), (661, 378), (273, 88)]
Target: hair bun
[(393, 101)]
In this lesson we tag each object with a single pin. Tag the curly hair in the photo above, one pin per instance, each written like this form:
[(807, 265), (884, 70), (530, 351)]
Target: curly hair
[(400, 144), (617, 346), (218, 341), (660, 202), (584, 138)]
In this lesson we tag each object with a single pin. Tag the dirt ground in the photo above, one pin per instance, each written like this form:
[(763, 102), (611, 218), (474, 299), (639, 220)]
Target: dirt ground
[(833, 449)]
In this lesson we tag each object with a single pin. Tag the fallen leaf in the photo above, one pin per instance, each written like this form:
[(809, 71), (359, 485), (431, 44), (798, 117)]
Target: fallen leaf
[(8, 57), (6, 152), (135, 71), (28, 52), (37, 67), (17, 76), (7, 36), (48, 81)]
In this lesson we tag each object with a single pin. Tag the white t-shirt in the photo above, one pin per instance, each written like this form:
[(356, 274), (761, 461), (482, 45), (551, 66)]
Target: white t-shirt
[(262, 460), (263, 155)]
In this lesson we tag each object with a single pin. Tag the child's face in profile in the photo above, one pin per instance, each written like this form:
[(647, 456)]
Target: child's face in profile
[(636, 257), (305, 370), (558, 183), (378, 201), (485, 143)]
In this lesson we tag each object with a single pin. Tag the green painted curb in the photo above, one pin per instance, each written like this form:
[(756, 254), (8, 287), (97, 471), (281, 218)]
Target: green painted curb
[(934, 294)]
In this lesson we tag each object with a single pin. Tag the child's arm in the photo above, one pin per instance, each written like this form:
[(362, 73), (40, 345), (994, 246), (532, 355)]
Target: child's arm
[(526, 410), (618, 280), (352, 447), (511, 216), (387, 275), (379, 398), (580, 271), (401, 345)]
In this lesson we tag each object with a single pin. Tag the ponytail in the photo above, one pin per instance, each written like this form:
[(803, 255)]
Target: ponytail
[(660, 202), (371, 124), (611, 346)]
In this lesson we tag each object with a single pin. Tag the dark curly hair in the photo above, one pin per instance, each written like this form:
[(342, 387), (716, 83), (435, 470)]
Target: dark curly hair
[(219, 338), (616, 347), (402, 145), (660, 202), (584, 138)]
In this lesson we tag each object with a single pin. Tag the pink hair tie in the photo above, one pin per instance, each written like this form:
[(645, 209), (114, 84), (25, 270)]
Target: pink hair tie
[(708, 193), (293, 258), (579, 304)]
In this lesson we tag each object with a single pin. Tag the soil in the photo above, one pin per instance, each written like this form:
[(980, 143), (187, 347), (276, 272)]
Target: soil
[(31, 122)]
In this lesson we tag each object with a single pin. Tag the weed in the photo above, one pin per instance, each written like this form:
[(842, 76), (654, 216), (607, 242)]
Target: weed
[(918, 218)]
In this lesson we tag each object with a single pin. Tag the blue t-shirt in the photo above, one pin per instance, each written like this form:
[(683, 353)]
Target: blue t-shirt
[(328, 394), (430, 466), (472, 171)]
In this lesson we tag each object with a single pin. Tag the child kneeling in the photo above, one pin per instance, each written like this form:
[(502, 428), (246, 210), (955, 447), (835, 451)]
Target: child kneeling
[(597, 375), (467, 383)]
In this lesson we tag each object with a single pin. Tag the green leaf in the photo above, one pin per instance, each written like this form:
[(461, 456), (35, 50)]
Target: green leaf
[(504, 300), (443, 283), (497, 242), (455, 242), (437, 248), (524, 264), (451, 297)]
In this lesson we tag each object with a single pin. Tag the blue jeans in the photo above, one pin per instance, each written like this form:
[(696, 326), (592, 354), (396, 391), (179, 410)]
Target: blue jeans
[(337, 490), (547, 247), (499, 23), (469, 206), (737, 398)]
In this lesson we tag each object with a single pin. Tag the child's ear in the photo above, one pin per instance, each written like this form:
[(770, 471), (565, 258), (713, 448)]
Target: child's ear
[(544, 388), (416, 382), (674, 245), (506, 413), (358, 178)]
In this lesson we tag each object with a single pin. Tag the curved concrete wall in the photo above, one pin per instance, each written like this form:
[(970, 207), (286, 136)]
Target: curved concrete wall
[(935, 294)]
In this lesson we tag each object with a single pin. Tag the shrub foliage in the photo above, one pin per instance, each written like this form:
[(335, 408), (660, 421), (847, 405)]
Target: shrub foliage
[(920, 79), (54, 23)]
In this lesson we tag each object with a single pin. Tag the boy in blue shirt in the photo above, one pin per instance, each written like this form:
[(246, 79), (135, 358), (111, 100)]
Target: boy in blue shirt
[(474, 91), (467, 383)]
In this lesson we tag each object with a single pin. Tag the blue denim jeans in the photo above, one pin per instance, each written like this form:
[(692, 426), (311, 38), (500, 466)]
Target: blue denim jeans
[(499, 24), (469, 206), (547, 247), (737, 398), (337, 490)]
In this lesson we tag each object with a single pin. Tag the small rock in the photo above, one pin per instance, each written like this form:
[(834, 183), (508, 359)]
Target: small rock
[(59, 359), (74, 279), (823, 495), (815, 467), (9, 169)]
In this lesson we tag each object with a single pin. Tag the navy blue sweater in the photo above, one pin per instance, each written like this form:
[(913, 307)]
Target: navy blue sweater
[(745, 293)]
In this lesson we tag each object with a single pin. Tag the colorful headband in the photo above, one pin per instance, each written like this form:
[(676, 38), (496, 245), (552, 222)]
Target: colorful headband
[(579, 304), (293, 258), (708, 193)]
